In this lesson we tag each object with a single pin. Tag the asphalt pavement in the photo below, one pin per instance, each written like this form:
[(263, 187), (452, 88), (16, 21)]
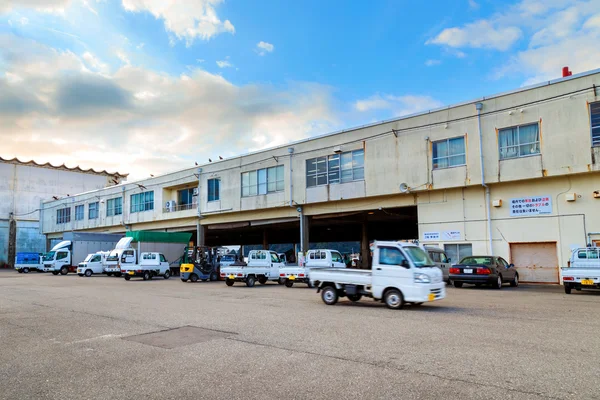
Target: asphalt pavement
[(67, 337)]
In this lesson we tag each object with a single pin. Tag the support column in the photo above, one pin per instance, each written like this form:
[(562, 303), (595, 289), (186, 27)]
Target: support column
[(200, 234), (364, 247), (304, 236), (265, 242), (12, 241)]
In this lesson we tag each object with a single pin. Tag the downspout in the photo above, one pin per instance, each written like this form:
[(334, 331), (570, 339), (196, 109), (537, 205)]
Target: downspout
[(198, 227), (479, 107)]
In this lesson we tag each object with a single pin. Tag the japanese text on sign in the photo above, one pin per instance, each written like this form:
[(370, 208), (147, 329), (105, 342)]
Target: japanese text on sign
[(431, 236), (530, 206)]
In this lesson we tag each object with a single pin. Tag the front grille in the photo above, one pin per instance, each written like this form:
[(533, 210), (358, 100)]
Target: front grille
[(436, 292)]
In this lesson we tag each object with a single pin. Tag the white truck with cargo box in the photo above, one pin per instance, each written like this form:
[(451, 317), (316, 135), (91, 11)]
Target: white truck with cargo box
[(262, 266), (75, 247), (583, 271), (401, 273), (321, 258), (93, 264), (151, 265)]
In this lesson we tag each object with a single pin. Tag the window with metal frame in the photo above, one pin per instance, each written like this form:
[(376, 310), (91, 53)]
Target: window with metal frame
[(457, 252), (185, 199), (79, 210), (263, 181), (93, 210), (595, 122), (214, 189), (142, 202), (114, 207), (449, 153), (336, 168), (519, 141), (63, 215)]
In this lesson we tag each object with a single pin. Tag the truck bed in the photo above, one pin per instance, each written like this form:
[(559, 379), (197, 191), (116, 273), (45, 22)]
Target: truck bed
[(581, 272), (342, 275)]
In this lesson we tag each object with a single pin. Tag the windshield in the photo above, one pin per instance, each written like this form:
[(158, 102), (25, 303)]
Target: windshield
[(476, 260), (227, 258), (419, 257), (88, 258), (113, 256), (49, 256)]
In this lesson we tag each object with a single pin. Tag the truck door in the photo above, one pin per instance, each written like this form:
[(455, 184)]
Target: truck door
[(128, 257), (62, 258), (390, 269), (274, 266), (336, 260), (164, 264)]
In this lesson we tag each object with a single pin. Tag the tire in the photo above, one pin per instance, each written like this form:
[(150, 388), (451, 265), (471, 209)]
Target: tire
[(515, 281), (498, 283), (88, 273), (393, 299), (214, 276), (20, 271), (183, 280), (329, 295), (25, 270), (194, 278), (458, 284), (54, 272), (280, 281), (127, 277), (263, 280), (146, 276), (64, 270), (229, 282), (167, 274), (354, 297), (289, 283), (250, 281), (567, 288)]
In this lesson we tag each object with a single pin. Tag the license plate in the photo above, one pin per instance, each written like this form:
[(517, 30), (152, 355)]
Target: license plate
[(131, 272), (231, 276), (587, 281), (292, 278), (468, 270), (431, 297)]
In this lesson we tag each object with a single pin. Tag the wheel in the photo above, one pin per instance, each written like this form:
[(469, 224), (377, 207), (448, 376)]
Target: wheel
[(393, 299), (214, 276), (289, 283), (250, 281), (127, 277), (498, 283), (64, 270), (262, 280), (25, 270), (20, 271), (329, 295), (118, 274), (183, 280), (146, 275), (167, 274), (194, 278), (567, 288), (354, 297), (151, 275), (515, 281), (88, 272), (280, 281), (458, 284), (54, 272), (229, 282)]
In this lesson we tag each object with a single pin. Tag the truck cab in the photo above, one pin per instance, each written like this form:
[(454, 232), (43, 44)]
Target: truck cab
[(583, 271), (319, 258), (93, 264), (122, 256), (262, 266), (151, 264), (58, 259)]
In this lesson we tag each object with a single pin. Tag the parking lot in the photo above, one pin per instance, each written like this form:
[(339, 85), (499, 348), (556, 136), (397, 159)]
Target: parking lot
[(66, 337)]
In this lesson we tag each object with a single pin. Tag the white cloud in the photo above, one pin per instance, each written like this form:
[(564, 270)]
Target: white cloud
[(473, 4), (263, 48), (23, 21), (397, 105), (140, 46), (187, 20), (87, 5), (479, 34), (121, 55), (200, 60), (93, 63), (224, 64), (50, 6), (431, 63)]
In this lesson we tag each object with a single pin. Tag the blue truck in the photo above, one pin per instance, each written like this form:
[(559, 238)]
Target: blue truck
[(25, 262)]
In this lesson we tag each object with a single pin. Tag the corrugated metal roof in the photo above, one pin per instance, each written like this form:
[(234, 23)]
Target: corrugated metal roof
[(62, 167)]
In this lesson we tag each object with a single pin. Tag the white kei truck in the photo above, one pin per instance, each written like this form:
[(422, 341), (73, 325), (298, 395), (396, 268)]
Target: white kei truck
[(401, 273), (93, 264), (151, 265), (314, 259), (262, 266), (583, 271)]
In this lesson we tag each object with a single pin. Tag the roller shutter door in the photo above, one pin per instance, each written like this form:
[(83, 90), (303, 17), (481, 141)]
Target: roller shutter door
[(535, 262)]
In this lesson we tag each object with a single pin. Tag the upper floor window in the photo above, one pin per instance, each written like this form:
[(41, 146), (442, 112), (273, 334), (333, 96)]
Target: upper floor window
[(186, 198), (449, 153), (142, 202), (344, 167), (63, 215), (114, 207), (93, 210), (214, 189), (263, 181), (595, 123), (79, 212), (519, 141)]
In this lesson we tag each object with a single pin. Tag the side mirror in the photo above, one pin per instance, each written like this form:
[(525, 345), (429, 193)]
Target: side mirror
[(405, 264), (448, 260), (511, 266)]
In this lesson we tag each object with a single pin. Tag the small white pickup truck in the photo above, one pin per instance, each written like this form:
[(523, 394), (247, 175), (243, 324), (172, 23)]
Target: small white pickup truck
[(263, 266), (401, 273), (93, 264), (583, 271), (151, 265), (314, 259)]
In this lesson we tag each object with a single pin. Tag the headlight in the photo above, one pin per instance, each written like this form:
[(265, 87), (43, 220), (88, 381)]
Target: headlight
[(422, 278)]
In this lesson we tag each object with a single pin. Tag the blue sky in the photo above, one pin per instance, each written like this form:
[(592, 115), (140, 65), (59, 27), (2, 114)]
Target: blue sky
[(177, 82)]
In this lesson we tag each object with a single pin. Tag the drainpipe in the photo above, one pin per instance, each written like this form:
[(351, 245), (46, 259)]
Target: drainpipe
[(479, 107), (291, 151), (198, 211)]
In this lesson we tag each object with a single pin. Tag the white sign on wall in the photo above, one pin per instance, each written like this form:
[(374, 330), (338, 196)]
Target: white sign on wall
[(530, 206), (452, 235), (431, 236)]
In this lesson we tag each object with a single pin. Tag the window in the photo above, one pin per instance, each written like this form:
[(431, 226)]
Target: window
[(162, 258), (587, 254), (449, 153), (63, 215), (93, 210), (502, 262), (595, 123), (391, 256), (345, 167), (214, 189), (520, 141), (79, 213), (96, 259), (435, 256), (114, 207), (262, 181), (457, 252), (336, 257), (274, 257), (259, 255), (142, 202), (61, 255)]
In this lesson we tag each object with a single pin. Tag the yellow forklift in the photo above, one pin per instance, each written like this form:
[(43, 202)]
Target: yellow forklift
[(199, 262)]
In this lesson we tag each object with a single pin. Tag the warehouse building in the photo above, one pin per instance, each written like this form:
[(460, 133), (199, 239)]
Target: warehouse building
[(23, 186), (514, 175)]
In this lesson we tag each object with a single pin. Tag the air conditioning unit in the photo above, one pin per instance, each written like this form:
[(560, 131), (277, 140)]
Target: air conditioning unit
[(170, 205), (195, 192)]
